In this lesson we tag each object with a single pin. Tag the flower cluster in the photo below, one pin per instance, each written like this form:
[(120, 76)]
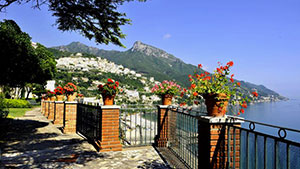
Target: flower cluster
[(110, 88), (80, 95), (220, 82), (59, 90), (50, 93), (70, 88), (166, 87)]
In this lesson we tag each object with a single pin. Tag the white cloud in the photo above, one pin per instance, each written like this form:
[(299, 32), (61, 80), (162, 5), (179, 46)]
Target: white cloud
[(167, 36)]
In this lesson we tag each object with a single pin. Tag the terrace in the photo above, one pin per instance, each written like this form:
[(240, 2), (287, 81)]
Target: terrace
[(142, 136)]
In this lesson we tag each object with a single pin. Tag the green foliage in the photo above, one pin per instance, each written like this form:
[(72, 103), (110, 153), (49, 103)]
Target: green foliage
[(17, 103), (94, 19), (23, 63)]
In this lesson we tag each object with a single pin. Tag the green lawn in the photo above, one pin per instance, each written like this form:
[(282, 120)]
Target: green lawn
[(17, 112)]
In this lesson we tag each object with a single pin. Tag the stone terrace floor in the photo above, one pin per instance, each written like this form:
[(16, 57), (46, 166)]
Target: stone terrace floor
[(34, 142)]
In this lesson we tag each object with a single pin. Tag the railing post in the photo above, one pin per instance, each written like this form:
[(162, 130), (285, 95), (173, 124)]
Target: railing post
[(59, 113), (162, 126), (109, 140), (51, 110), (70, 115), (213, 142)]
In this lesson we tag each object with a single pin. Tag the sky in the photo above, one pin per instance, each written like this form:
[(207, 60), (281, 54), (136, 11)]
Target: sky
[(261, 37)]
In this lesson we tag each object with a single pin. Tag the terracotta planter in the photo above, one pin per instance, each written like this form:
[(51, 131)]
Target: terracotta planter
[(52, 98), (59, 97), (216, 107), (166, 99), (70, 98), (108, 100)]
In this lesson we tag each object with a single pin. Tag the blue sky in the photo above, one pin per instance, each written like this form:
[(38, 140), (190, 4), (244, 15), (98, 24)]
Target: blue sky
[(261, 36)]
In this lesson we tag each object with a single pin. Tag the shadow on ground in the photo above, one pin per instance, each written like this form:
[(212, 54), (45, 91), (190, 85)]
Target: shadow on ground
[(23, 147)]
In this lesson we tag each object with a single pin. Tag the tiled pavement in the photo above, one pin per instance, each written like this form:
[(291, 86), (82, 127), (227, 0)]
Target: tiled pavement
[(33, 142)]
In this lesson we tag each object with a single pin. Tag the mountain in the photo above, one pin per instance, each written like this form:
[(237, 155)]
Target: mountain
[(151, 62)]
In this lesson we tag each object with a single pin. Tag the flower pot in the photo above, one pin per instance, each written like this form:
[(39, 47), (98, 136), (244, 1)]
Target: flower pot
[(52, 98), (108, 99), (167, 99), (216, 107), (59, 97), (70, 98)]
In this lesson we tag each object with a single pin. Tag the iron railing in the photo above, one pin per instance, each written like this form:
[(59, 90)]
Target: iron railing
[(250, 144), (89, 121), (261, 147), (183, 135), (138, 126)]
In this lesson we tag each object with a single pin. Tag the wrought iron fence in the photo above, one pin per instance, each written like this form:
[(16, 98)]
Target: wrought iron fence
[(89, 121), (183, 135), (261, 147), (138, 126), (251, 144)]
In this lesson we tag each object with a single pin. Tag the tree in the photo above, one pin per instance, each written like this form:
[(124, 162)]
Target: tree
[(94, 19), (22, 63)]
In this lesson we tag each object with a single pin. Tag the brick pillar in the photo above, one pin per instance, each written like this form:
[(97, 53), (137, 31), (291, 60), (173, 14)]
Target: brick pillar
[(70, 115), (46, 108), (163, 126), (51, 110), (59, 113), (110, 129), (213, 142), (42, 106)]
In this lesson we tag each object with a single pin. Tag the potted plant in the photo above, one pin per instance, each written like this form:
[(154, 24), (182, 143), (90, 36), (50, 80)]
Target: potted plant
[(166, 89), (217, 90), (51, 95), (59, 91), (109, 91), (70, 90), (80, 97)]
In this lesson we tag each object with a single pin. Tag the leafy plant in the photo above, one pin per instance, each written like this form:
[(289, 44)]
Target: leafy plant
[(110, 88), (16, 103), (166, 87), (50, 93), (205, 84), (59, 90), (70, 88)]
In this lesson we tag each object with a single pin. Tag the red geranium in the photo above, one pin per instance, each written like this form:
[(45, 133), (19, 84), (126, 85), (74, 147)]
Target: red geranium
[(59, 90), (110, 88), (70, 88)]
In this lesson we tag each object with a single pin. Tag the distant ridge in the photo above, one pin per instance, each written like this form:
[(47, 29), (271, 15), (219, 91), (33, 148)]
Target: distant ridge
[(152, 62)]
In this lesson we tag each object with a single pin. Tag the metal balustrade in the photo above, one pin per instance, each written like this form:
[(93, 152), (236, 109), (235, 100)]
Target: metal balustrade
[(263, 148), (138, 126), (89, 121)]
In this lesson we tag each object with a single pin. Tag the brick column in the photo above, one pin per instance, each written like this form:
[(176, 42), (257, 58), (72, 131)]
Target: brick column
[(59, 113), (46, 108), (42, 106), (70, 115), (51, 110), (110, 129), (163, 126), (213, 142)]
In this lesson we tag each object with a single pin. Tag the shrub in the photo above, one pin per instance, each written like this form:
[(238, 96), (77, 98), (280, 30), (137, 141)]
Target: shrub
[(17, 103)]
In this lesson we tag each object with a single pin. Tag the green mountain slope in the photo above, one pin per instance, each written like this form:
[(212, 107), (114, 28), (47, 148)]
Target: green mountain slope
[(151, 62)]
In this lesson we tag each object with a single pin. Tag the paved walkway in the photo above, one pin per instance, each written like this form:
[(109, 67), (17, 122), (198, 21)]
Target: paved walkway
[(32, 142)]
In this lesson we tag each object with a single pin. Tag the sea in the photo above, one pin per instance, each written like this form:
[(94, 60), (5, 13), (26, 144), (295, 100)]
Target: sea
[(282, 114)]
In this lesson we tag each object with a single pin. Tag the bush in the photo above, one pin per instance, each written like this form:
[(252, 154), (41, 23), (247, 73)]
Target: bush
[(17, 103)]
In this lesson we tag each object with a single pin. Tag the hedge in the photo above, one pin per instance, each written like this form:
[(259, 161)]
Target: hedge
[(17, 103)]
